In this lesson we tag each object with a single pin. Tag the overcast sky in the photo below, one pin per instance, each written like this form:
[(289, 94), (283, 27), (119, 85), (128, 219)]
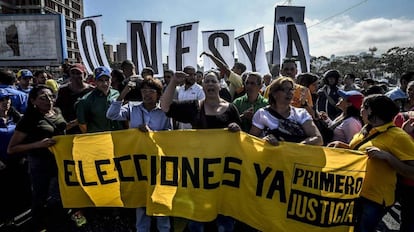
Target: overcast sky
[(340, 27)]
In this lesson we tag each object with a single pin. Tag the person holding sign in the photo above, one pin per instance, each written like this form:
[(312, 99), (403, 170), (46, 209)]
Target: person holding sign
[(147, 116), (210, 113), (282, 122), (389, 149), (33, 135)]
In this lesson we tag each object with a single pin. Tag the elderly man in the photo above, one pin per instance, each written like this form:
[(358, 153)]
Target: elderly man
[(250, 102)]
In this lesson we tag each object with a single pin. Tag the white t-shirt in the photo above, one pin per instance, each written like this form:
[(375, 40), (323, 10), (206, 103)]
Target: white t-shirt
[(195, 92), (263, 119)]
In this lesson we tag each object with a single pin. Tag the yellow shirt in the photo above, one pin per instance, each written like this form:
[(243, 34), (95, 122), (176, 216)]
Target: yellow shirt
[(235, 83), (381, 178)]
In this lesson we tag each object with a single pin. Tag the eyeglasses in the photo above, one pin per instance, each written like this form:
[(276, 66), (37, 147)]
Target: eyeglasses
[(148, 91)]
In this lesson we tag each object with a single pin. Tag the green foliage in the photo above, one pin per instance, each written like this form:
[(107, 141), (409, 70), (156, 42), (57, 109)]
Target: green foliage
[(398, 60)]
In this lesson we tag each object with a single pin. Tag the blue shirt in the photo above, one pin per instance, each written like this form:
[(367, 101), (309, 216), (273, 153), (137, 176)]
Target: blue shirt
[(6, 132), (26, 91), (137, 115), (19, 99), (396, 94)]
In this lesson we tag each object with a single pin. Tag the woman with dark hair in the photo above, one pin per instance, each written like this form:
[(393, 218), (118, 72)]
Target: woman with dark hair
[(211, 113), (379, 138), (310, 81), (328, 94), (347, 124), (33, 135), (147, 116), (282, 122)]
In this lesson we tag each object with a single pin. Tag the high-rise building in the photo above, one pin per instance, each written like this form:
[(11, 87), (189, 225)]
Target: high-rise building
[(109, 52), (71, 9), (121, 51), (116, 57)]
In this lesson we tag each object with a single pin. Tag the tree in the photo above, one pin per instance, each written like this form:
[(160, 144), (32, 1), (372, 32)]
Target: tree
[(318, 64), (398, 60), (372, 50)]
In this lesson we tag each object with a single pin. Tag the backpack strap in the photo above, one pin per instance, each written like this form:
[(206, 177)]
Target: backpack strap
[(368, 138)]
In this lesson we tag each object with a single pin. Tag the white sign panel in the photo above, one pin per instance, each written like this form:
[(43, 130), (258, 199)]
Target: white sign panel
[(220, 43), (183, 46), (90, 43), (251, 51), (293, 42), (144, 45)]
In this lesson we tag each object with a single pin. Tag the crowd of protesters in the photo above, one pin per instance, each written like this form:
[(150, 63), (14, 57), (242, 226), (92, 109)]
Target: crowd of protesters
[(302, 108)]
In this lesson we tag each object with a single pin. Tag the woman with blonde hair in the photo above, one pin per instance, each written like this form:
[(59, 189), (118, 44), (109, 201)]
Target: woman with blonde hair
[(282, 122)]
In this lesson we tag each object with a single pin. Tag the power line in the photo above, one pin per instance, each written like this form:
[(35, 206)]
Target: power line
[(330, 17)]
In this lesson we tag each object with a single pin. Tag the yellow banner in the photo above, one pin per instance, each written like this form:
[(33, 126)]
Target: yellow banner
[(198, 174)]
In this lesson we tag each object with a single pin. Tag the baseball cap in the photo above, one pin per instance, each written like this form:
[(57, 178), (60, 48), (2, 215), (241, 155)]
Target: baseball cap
[(78, 66), (24, 73), (101, 71), (5, 93), (352, 96), (396, 94)]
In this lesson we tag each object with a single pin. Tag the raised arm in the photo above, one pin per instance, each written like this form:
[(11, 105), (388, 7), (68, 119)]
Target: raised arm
[(168, 96), (222, 66)]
